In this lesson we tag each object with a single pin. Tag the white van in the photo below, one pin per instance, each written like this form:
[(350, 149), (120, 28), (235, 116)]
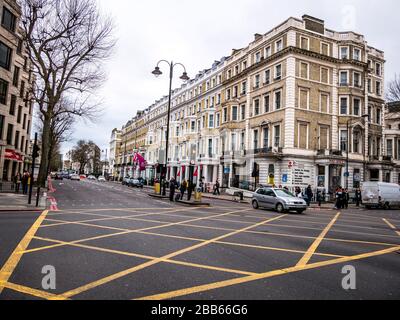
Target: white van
[(380, 194)]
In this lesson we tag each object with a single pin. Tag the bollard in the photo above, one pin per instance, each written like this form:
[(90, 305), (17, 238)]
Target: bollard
[(37, 196)]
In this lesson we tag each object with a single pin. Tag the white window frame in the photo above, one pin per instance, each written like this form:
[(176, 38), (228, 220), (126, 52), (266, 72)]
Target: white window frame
[(340, 77), (308, 69), (213, 121), (359, 107), (298, 133), (256, 86), (237, 113), (354, 79), (274, 105), (380, 69), (268, 48), (340, 105), (378, 84), (275, 68), (276, 45), (274, 135), (265, 76), (269, 100), (308, 42), (257, 57), (254, 107), (327, 138), (320, 75), (354, 54), (328, 107), (340, 52), (320, 47), (308, 98)]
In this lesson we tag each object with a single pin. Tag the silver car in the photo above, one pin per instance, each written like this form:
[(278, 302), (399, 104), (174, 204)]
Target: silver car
[(280, 200)]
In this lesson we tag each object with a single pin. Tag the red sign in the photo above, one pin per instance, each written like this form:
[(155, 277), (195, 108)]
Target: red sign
[(12, 155)]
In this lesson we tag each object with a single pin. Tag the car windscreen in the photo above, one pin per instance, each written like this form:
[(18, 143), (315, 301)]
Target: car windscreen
[(283, 193)]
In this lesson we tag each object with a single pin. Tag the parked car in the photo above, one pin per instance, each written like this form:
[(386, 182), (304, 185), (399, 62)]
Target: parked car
[(58, 176), (277, 199), (135, 183), (82, 176), (75, 177), (91, 177), (380, 194), (101, 179), (125, 181)]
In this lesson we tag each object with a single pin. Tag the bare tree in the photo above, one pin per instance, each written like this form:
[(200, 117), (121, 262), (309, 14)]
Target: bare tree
[(393, 93), (67, 40), (86, 153)]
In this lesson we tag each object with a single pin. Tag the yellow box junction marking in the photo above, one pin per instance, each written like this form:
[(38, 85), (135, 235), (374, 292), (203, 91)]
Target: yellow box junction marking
[(153, 262), (12, 262), (269, 274), (307, 256), (391, 226)]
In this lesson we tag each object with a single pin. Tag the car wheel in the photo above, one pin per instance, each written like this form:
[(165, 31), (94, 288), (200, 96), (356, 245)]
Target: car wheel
[(255, 204), (279, 208)]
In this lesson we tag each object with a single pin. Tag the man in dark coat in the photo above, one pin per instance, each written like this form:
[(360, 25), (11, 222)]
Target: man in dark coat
[(309, 194), (172, 187)]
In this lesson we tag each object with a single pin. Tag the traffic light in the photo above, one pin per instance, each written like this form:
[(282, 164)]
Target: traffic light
[(35, 152)]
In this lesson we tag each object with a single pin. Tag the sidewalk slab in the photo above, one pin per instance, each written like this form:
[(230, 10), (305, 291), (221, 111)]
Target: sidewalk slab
[(19, 202)]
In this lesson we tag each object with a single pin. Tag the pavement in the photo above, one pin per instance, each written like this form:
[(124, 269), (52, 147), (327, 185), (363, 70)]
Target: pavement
[(108, 241), (19, 202)]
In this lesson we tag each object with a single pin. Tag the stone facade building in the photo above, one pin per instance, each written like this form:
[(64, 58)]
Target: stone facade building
[(392, 141), (301, 104), (15, 104)]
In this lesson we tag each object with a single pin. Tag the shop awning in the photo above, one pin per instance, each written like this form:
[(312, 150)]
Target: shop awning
[(12, 155)]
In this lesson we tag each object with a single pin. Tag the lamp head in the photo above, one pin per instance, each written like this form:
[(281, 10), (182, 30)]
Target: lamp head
[(184, 77), (157, 72)]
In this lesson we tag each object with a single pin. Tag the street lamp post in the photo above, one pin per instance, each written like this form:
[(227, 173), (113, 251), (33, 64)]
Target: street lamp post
[(348, 147), (157, 72)]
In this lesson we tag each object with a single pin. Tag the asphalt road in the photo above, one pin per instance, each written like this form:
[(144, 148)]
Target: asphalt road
[(108, 241)]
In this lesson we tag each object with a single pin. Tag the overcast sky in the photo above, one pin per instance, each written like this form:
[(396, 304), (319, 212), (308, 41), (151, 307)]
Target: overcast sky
[(196, 33)]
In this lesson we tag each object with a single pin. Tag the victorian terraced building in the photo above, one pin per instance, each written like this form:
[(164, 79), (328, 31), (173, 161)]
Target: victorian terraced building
[(15, 104), (289, 109)]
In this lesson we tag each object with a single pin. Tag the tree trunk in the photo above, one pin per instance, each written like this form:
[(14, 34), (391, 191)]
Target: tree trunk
[(44, 159)]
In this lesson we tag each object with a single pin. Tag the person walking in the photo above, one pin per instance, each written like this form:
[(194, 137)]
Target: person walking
[(216, 188), (346, 198), (183, 187), (309, 195), (172, 187), (24, 182), (17, 182), (319, 198)]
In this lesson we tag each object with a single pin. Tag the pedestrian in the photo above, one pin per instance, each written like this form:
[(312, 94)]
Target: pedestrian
[(201, 184), (309, 195), (346, 199), (17, 182), (24, 182), (216, 188), (339, 195), (358, 197), (183, 188), (319, 198), (172, 187)]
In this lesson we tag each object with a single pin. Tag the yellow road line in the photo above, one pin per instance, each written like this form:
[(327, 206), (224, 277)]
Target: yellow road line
[(269, 274), (33, 292), (12, 262), (391, 226), (307, 256), (153, 262), (132, 231), (138, 255)]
